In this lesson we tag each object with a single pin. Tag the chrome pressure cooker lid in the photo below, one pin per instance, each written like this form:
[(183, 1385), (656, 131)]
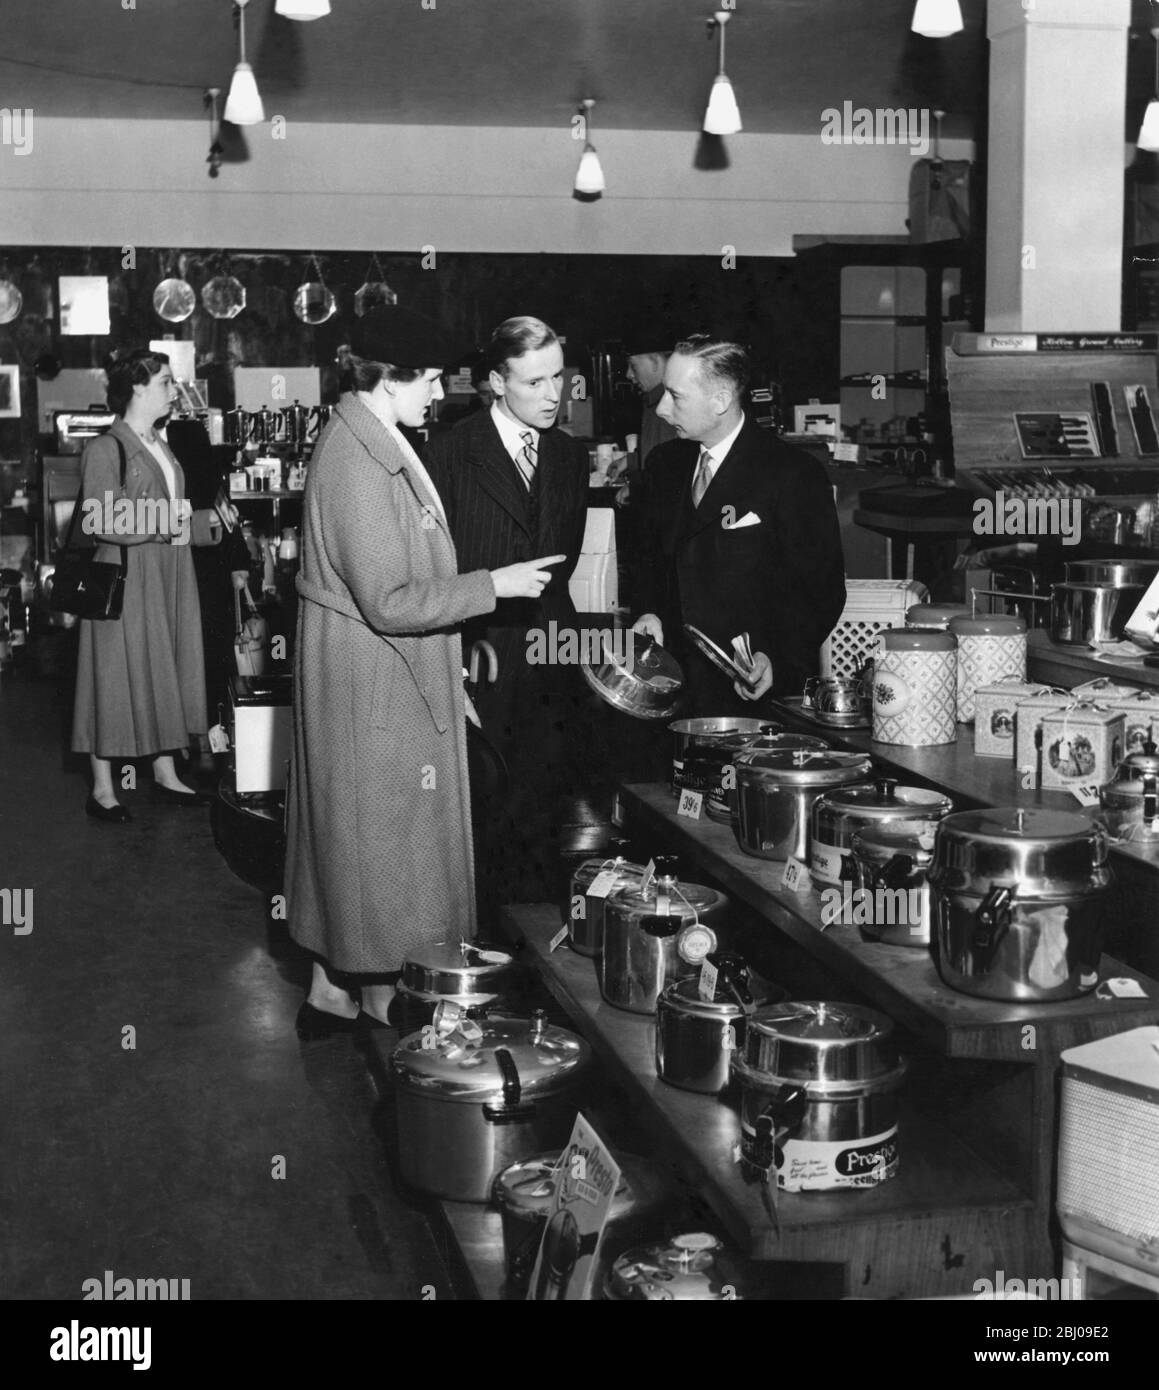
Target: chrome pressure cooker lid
[(454, 967), (527, 1187), (1040, 852), (885, 800), (716, 726), (665, 895), (626, 872), (684, 996), (803, 767), (881, 844), (466, 1065), (814, 1042), (686, 1267)]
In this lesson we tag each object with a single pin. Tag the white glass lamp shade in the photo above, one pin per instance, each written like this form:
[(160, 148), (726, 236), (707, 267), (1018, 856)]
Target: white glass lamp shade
[(1149, 130), (244, 106), (589, 177), (723, 114), (302, 9), (937, 19)]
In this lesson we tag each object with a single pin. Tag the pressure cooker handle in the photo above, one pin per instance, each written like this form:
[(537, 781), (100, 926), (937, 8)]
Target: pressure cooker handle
[(992, 919), (782, 1114), (513, 1109), (896, 873)]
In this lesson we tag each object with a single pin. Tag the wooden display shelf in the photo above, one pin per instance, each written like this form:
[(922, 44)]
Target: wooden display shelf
[(945, 1220), (900, 981), (476, 1234)]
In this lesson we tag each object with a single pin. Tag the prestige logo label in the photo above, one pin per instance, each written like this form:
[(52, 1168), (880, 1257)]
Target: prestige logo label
[(879, 1158)]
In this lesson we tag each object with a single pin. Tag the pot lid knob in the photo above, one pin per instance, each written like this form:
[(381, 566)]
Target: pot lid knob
[(538, 1025), (886, 788), (667, 867)]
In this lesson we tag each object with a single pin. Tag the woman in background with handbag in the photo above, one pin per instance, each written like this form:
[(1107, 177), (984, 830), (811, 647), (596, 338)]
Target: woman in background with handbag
[(140, 686)]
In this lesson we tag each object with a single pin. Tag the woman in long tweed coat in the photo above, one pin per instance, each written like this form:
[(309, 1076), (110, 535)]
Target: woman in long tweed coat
[(140, 685), (379, 857)]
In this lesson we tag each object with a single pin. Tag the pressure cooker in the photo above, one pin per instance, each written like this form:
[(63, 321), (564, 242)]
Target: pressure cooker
[(657, 933), (819, 1086), (523, 1194), (1018, 898), (775, 792), (709, 767), (472, 1102), (700, 1024), (707, 730), (585, 920), (687, 1267), (470, 974), (891, 900), (838, 815), (1130, 800)]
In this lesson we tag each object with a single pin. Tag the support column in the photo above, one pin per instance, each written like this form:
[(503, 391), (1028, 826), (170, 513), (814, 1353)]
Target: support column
[(1058, 93)]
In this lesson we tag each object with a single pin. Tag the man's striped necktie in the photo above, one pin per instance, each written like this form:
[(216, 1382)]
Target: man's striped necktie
[(527, 459), (702, 479)]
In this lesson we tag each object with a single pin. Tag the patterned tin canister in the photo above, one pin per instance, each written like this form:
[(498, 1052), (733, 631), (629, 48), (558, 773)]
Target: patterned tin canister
[(990, 649), (914, 690)]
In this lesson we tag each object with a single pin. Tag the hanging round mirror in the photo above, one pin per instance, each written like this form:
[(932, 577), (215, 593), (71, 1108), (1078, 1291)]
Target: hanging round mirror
[(374, 292), (313, 302), (223, 296), (174, 300), (11, 301)]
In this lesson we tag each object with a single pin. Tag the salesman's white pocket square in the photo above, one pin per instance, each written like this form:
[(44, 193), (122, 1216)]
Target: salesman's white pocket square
[(749, 519)]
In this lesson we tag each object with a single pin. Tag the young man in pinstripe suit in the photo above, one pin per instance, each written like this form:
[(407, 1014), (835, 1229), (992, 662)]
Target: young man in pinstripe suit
[(516, 487)]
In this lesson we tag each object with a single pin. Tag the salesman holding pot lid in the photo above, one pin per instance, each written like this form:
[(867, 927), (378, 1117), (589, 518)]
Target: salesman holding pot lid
[(740, 534), (379, 856)]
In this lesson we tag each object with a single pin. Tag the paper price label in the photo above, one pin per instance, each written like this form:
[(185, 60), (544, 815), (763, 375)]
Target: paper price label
[(1085, 796), (796, 877), (218, 739), (602, 884), (1123, 988), (649, 875), (558, 939), (691, 804), (707, 986)]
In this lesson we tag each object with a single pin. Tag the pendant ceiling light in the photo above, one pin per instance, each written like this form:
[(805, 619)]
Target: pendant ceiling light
[(243, 106), (302, 9), (937, 19), (1149, 131), (589, 177), (723, 114)]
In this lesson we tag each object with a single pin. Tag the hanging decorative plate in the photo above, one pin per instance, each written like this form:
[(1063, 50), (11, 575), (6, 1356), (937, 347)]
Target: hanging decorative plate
[(223, 296), (11, 301), (313, 302), (174, 300)]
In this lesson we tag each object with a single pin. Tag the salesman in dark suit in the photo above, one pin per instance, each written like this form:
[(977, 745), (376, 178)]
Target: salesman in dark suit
[(516, 487), (740, 535)]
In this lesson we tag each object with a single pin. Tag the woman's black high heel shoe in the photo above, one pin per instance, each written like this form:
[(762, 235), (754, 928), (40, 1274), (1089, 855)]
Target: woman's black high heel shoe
[(313, 1023), (112, 815)]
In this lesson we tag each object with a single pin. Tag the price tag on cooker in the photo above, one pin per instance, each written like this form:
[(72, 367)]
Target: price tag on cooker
[(1121, 987), (218, 739), (603, 883), (796, 877), (1085, 796), (558, 939), (691, 804), (706, 987)]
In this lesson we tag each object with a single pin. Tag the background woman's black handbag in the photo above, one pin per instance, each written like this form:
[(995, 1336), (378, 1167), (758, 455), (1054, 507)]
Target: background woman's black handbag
[(83, 585)]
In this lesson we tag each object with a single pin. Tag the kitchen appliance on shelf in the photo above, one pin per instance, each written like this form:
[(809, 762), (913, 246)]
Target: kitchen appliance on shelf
[(262, 732)]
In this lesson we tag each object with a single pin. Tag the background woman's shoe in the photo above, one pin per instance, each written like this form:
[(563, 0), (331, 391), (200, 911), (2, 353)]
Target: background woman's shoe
[(313, 1023), (113, 815), (189, 798)]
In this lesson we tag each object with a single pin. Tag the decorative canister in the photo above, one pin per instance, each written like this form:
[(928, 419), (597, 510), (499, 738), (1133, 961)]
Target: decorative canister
[(990, 649), (934, 617), (996, 714), (1029, 714), (914, 691), (1141, 710), (1081, 744)]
